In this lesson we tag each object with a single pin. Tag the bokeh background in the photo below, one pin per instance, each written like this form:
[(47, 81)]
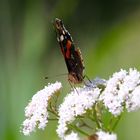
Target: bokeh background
[(107, 32)]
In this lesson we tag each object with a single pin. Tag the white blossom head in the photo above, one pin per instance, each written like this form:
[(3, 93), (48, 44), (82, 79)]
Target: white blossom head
[(36, 112), (122, 89), (106, 136), (75, 104)]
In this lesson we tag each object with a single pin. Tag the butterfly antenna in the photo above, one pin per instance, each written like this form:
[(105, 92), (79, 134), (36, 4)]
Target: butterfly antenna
[(88, 78), (58, 75)]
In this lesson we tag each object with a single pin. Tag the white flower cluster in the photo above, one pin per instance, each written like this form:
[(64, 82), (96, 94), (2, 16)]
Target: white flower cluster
[(72, 136), (122, 89), (106, 136), (121, 92), (36, 111), (76, 103)]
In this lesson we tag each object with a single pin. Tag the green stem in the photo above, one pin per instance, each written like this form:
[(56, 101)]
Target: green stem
[(91, 118), (53, 112), (117, 121), (55, 119), (56, 100), (109, 124), (85, 124), (78, 129), (96, 119)]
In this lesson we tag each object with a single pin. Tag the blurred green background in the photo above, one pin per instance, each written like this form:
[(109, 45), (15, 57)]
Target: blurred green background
[(107, 32)]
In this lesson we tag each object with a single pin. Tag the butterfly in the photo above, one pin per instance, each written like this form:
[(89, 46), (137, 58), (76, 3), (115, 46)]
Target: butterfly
[(71, 54)]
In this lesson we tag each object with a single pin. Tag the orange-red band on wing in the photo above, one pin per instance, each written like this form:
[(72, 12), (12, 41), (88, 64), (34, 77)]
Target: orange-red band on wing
[(68, 45)]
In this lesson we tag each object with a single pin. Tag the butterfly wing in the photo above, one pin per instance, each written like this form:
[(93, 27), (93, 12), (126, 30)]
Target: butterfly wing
[(72, 55)]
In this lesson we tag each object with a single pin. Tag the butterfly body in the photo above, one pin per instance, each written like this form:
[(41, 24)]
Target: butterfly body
[(72, 55)]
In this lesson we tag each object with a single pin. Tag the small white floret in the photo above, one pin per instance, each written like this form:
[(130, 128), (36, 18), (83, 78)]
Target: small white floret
[(106, 136), (72, 136)]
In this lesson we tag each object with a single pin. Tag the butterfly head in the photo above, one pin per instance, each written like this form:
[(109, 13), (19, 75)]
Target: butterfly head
[(59, 27), (62, 34)]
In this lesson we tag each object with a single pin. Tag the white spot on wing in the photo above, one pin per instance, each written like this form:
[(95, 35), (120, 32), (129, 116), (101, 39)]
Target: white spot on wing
[(63, 32), (61, 38)]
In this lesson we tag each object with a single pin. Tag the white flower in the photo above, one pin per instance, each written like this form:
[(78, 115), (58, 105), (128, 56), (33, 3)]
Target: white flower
[(72, 136), (133, 101), (120, 90), (76, 103), (97, 82), (106, 136), (130, 82), (110, 96), (36, 112)]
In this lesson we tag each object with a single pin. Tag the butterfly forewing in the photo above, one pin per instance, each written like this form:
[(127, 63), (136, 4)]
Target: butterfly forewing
[(72, 55)]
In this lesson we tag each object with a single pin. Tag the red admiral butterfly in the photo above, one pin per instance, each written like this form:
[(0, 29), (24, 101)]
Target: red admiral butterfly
[(72, 55)]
